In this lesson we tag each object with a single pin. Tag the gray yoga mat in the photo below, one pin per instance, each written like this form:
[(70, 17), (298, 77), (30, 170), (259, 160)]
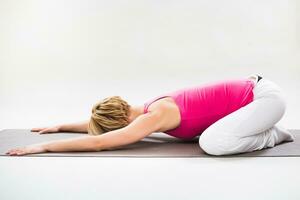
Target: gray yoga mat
[(155, 145)]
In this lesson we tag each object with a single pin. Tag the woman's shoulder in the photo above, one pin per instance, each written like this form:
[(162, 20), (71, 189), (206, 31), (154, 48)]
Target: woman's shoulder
[(162, 104), (169, 112)]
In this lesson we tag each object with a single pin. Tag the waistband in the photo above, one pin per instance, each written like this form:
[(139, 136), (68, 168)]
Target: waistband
[(255, 78), (259, 77)]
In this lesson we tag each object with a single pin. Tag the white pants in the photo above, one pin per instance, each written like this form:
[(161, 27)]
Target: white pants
[(251, 127)]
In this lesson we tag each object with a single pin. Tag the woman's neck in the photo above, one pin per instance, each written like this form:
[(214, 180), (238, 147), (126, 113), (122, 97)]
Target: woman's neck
[(135, 111)]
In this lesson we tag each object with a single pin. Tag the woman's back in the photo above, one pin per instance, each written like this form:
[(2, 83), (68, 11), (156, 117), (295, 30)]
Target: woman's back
[(193, 109)]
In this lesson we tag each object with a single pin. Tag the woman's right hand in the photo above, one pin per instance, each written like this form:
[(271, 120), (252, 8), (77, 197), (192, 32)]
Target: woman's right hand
[(42, 130)]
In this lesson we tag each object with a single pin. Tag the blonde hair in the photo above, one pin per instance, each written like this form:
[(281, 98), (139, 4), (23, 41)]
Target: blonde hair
[(108, 114)]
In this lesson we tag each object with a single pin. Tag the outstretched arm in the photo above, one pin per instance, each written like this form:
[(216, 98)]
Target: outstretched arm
[(141, 127), (74, 127), (80, 127)]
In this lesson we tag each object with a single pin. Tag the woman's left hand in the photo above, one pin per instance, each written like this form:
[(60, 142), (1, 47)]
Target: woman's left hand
[(26, 150)]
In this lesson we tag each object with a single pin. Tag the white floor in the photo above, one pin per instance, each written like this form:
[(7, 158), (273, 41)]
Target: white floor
[(149, 178)]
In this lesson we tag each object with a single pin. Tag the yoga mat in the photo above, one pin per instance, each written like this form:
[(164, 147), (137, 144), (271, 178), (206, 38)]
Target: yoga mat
[(155, 145)]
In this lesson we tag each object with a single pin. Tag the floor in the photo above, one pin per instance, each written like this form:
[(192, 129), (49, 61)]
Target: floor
[(149, 178)]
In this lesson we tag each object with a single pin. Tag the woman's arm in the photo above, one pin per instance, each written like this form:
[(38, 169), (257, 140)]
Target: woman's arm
[(75, 127), (141, 127), (80, 127)]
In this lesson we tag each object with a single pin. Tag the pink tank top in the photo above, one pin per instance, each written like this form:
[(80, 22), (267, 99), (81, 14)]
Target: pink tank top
[(200, 106)]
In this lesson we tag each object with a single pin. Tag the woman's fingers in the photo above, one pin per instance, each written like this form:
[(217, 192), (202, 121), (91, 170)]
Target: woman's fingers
[(53, 129), (18, 152), (41, 130), (46, 130), (37, 129), (21, 152), (27, 150)]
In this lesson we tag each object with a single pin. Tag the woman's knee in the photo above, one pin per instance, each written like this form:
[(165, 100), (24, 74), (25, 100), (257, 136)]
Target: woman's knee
[(218, 143), (208, 141), (283, 103), (280, 104), (277, 95)]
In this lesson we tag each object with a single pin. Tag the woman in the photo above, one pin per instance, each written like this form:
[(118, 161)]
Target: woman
[(231, 116)]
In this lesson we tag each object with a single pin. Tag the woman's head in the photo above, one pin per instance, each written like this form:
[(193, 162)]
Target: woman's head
[(109, 114)]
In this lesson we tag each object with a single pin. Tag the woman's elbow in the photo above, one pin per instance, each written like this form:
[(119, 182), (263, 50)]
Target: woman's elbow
[(95, 144)]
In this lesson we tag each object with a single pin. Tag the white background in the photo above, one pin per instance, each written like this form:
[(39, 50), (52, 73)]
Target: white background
[(58, 57)]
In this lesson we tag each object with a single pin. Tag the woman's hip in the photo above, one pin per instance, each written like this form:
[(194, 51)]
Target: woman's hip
[(265, 88)]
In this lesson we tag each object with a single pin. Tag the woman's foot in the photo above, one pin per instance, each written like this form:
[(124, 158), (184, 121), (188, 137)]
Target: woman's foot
[(283, 134)]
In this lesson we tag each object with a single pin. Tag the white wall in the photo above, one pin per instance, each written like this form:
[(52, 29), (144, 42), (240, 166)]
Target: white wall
[(58, 57)]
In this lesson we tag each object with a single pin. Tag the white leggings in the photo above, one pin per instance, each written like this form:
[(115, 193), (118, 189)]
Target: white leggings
[(251, 127)]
